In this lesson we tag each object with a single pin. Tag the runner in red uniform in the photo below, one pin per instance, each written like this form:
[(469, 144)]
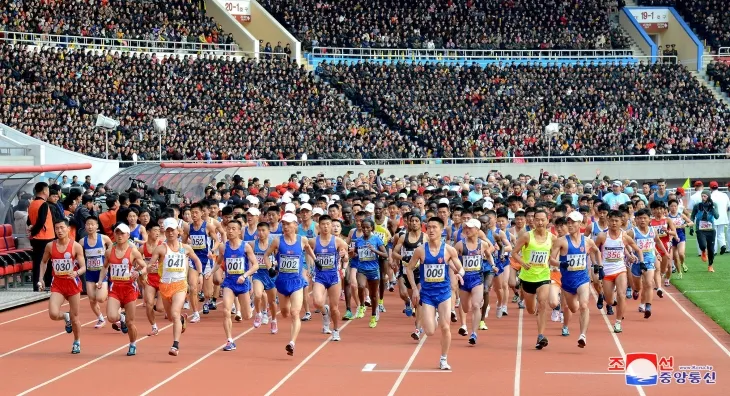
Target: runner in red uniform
[(665, 230), (153, 278), (124, 264), (67, 265)]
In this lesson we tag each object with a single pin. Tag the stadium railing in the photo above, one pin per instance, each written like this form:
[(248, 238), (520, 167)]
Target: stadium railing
[(463, 54), (122, 44), (723, 51)]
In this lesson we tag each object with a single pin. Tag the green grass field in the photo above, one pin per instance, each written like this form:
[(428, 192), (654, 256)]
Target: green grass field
[(707, 290)]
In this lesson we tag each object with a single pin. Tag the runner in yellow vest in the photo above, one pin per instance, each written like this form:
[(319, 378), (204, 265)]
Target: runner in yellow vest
[(532, 252)]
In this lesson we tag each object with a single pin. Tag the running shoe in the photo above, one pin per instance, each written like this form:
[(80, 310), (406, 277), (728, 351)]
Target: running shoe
[(173, 351), (230, 346), (520, 304), (201, 296), (335, 335), (609, 310), (391, 286), (212, 305), (500, 312), (416, 335), (184, 320), (486, 313), (453, 316), (377, 315), (195, 318), (635, 295), (582, 341), (562, 318), (710, 269), (515, 298), (348, 315), (373, 322), (124, 326), (443, 365), (326, 320), (462, 331), (615, 302), (666, 282), (132, 350), (458, 302), (674, 269), (660, 293), (409, 310), (367, 301), (274, 327), (206, 309), (617, 327), (381, 307), (154, 332), (186, 305), (257, 321), (685, 268), (473, 339), (239, 317), (76, 348), (628, 292), (360, 312), (723, 249), (100, 323), (265, 319), (704, 255), (233, 311), (483, 326), (599, 302), (565, 331), (307, 317), (542, 342), (647, 311), (555, 316), (290, 349), (504, 309), (67, 319)]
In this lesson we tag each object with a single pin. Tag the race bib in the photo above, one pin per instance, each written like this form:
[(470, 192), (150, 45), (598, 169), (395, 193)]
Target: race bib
[(472, 263), (576, 262), (95, 252), (289, 264), (661, 230), (434, 272), (646, 245), (63, 267), (235, 266), (197, 242), (94, 263), (326, 261), (174, 263), (120, 272), (365, 254), (613, 254), (705, 225), (538, 258)]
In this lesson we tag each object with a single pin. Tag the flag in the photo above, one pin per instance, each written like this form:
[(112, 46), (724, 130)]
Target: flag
[(686, 185)]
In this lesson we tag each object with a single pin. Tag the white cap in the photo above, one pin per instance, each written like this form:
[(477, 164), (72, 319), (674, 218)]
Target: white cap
[(123, 228), (488, 204), (473, 223), (402, 195), (370, 208), (317, 211), (290, 208), (289, 218), (169, 223), (288, 194), (306, 206), (252, 199), (617, 183), (285, 199), (575, 216), (304, 198), (253, 212), (335, 197), (443, 201)]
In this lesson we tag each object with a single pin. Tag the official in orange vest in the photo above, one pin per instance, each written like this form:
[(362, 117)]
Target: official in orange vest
[(40, 222)]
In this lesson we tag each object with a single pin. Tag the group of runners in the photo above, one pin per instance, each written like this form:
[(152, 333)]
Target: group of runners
[(444, 251)]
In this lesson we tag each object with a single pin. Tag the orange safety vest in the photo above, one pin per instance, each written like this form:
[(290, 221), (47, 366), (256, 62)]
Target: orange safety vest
[(47, 231)]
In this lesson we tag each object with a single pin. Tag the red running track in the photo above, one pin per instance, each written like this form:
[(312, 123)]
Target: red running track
[(35, 356)]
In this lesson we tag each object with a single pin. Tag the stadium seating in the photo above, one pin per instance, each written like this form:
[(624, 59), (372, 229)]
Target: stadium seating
[(709, 18), (12, 261), (470, 24), (719, 73), (501, 111)]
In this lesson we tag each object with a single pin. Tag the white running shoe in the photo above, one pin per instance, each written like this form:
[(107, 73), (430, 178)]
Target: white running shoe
[(326, 320), (195, 318), (186, 305), (265, 319), (367, 301), (335, 335), (555, 316), (443, 365), (562, 318), (504, 310), (500, 312)]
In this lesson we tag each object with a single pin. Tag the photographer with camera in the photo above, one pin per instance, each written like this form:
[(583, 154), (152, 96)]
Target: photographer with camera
[(704, 215)]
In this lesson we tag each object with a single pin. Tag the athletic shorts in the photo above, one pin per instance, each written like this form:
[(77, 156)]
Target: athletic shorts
[(556, 277), (205, 261), (266, 280), (154, 280), (681, 237), (93, 276), (370, 275), (434, 299), (231, 282), (416, 277), (636, 268), (531, 287), (472, 281), (167, 290), (125, 293), (612, 277), (666, 244), (515, 265), (288, 286), (66, 287), (572, 281), (327, 278)]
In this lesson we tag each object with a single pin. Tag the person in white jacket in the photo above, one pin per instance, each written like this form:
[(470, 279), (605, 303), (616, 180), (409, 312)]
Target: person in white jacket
[(722, 203)]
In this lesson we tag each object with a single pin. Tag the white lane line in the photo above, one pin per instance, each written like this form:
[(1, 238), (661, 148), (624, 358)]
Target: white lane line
[(699, 291), (370, 367), (696, 322), (85, 365), (303, 362), (43, 340), (518, 360), (582, 373), (616, 340), (33, 314), (407, 367)]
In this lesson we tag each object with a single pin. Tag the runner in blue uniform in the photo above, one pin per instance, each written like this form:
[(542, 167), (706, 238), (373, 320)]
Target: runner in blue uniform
[(239, 263), (329, 252), (368, 250), (436, 260), (644, 271), (95, 246), (572, 252), (264, 288), (290, 250), (199, 232)]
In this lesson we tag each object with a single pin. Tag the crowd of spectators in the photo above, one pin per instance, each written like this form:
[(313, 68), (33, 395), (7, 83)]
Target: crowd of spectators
[(719, 73), (502, 110), (709, 18), (153, 20), (450, 24), (219, 109)]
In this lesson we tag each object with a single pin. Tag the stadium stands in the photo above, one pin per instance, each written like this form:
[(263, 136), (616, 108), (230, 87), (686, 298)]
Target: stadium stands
[(471, 24), (709, 18), (216, 108), (719, 73), (502, 111), (152, 20)]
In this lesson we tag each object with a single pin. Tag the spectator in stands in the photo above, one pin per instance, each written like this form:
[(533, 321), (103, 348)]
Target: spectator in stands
[(719, 72), (708, 18), (40, 220)]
